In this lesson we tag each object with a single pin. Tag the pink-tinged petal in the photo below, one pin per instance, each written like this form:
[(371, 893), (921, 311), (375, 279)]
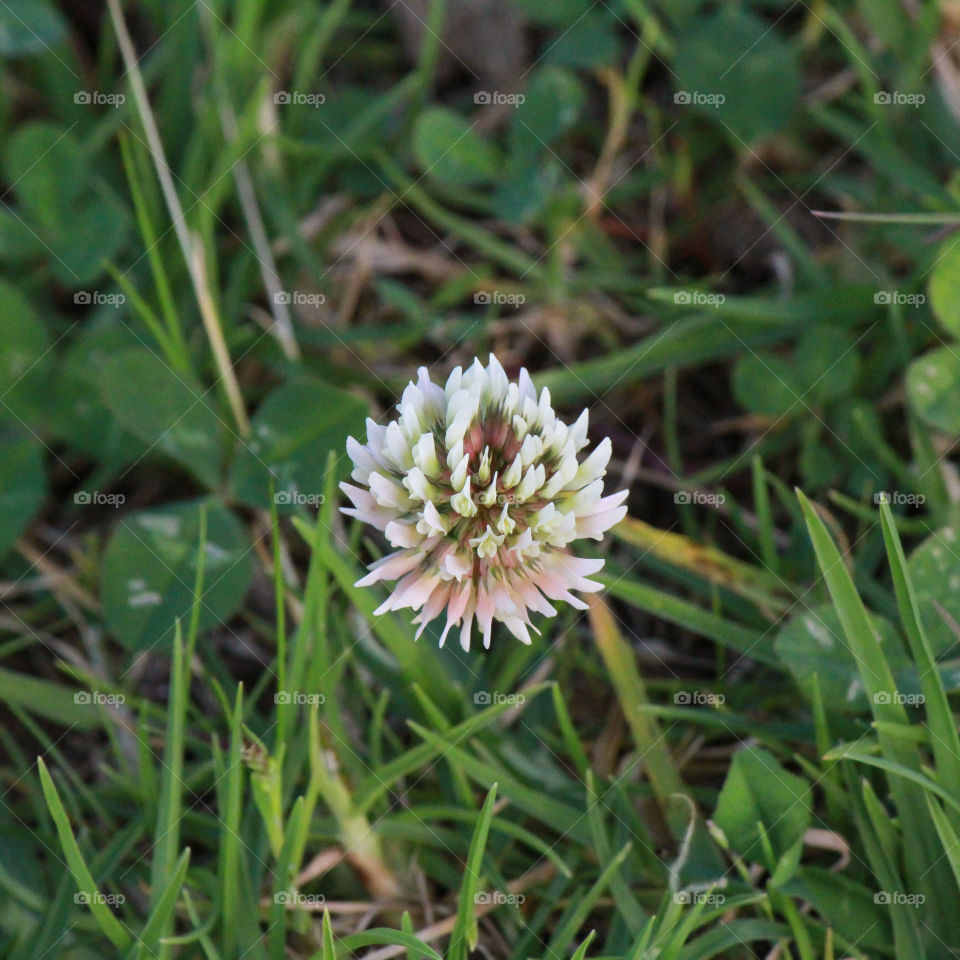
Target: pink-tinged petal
[(504, 602), (412, 591), (446, 630), (375, 436), (485, 610), (556, 587), (361, 498), (454, 382), (527, 389), (395, 598), (533, 598), (498, 378), (366, 509), (391, 567), (432, 392), (459, 600), (585, 501), (396, 448), (594, 466), (435, 605), (364, 462), (597, 524), (567, 597), (523, 541), (577, 433), (609, 502), (574, 567), (589, 586), (417, 594), (378, 520), (433, 518), (389, 493), (518, 628), (457, 604), (465, 631), (403, 534), (456, 565)]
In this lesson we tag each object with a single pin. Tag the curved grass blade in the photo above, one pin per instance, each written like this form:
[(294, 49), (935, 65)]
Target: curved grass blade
[(108, 923), (943, 728), (464, 935)]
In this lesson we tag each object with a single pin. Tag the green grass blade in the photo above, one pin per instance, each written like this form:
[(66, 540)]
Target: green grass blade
[(940, 720), (948, 837), (727, 633), (861, 636), (581, 951), (371, 789), (648, 738), (464, 935), (329, 950), (568, 927), (109, 924), (379, 936), (230, 844), (575, 752), (849, 751), (162, 914), (167, 834), (558, 815), (47, 699), (901, 759)]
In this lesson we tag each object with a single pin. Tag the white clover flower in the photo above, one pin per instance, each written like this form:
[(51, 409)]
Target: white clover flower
[(478, 486)]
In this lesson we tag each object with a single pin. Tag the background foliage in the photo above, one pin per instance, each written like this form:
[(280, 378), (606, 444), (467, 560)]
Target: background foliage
[(230, 231)]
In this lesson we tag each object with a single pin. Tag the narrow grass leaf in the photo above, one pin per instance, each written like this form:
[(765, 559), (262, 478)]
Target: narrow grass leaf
[(940, 719), (108, 923), (463, 937), (375, 786), (850, 751), (379, 936), (576, 916), (948, 837), (161, 915), (648, 738)]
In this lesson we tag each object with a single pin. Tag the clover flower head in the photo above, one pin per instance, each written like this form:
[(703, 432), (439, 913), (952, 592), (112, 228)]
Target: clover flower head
[(479, 488)]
